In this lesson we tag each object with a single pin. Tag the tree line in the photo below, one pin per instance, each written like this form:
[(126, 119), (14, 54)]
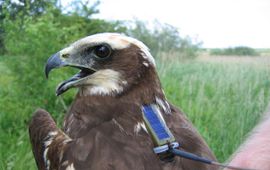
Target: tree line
[(34, 27)]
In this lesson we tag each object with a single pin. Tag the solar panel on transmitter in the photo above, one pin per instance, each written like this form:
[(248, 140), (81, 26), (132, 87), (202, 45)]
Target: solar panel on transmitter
[(156, 125)]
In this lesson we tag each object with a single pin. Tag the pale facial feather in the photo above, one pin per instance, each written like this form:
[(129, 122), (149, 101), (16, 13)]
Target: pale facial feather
[(104, 82), (107, 81)]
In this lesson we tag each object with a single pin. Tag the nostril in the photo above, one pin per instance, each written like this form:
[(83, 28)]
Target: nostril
[(65, 55)]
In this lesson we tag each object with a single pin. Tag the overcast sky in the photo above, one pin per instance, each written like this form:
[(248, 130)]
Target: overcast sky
[(218, 23)]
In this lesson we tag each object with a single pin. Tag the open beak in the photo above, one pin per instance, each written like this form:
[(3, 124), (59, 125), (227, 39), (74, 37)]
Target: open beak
[(55, 61)]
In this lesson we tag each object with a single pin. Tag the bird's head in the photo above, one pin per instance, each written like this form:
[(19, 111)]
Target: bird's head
[(109, 64)]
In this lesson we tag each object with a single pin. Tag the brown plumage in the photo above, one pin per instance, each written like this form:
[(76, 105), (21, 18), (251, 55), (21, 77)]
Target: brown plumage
[(103, 128)]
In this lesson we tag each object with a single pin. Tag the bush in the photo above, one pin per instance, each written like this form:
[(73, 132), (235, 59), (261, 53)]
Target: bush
[(27, 39), (238, 51), (32, 41)]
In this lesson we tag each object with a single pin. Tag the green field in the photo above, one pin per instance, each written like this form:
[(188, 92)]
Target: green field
[(223, 97)]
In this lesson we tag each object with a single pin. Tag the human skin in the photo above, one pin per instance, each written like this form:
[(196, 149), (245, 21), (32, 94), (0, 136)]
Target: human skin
[(255, 151)]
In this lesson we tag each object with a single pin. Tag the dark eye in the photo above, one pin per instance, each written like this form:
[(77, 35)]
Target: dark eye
[(102, 51)]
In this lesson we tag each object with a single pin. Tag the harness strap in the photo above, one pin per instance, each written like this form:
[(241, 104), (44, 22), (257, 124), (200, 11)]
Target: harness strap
[(165, 145)]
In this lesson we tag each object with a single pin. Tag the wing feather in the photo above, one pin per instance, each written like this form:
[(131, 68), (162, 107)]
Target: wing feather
[(48, 142)]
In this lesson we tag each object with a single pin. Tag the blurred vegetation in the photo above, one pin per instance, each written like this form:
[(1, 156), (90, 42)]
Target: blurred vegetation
[(32, 30), (263, 51), (224, 100), (44, 32), (42, 27), (163, 38), (235, 51)]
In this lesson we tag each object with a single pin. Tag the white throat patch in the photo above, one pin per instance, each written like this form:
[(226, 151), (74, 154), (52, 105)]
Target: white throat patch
[(103, 82)]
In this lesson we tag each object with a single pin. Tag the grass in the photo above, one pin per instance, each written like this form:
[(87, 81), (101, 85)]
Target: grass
[(224, 100), (14, 146)]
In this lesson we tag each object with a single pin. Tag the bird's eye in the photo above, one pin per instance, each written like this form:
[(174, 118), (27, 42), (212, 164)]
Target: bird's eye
[(102, 51)]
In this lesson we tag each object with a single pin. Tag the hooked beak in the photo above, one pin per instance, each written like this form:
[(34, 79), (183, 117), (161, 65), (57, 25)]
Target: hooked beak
[(54, 62)]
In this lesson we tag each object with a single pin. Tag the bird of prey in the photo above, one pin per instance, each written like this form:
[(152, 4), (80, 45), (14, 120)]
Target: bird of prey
[(104, 127)]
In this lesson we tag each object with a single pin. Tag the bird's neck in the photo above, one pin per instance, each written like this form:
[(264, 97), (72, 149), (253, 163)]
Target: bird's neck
[(93, 110), (142, 88)]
